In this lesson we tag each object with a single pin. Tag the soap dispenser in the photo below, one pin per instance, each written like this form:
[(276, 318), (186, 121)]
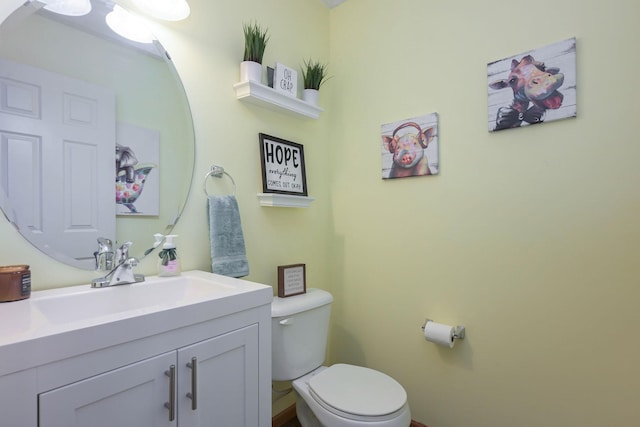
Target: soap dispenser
[(168, 264), (158, 241)]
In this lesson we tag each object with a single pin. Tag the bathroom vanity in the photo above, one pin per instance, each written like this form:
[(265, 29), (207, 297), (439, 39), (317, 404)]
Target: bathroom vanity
[(182, 351)]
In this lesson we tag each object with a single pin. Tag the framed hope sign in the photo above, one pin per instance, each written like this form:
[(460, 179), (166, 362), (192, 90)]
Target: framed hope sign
[(282, 166)]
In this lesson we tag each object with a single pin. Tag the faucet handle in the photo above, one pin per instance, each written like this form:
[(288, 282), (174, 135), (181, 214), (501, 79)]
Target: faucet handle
[(104, 244), (104, 254), (123, 251)]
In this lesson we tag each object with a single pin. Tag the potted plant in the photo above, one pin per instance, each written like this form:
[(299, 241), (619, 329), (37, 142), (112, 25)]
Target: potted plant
[(314, 74), (255, 42)]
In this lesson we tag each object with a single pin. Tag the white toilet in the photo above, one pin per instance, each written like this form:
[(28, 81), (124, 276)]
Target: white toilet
[(336, 396)]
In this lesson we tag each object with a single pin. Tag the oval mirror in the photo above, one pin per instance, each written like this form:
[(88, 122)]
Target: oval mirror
[(96, 135)]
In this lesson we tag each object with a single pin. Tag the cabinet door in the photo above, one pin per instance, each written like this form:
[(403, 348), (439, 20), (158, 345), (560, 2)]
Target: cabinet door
[(225, 383), (18, 403), (132, 396)]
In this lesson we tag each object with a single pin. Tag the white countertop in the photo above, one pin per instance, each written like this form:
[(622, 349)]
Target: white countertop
[(79, 318)]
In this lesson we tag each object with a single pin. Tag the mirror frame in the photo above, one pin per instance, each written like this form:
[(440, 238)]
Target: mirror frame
[(141, 248)]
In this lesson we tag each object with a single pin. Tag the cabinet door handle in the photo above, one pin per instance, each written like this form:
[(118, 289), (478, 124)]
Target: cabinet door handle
[(194, 383), (171, 404)]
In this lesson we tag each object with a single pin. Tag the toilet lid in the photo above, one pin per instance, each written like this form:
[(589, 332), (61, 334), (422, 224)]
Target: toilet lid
[(357, 390)]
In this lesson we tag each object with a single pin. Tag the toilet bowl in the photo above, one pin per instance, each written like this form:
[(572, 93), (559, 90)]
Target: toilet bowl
[(340, 395), (350, 396)]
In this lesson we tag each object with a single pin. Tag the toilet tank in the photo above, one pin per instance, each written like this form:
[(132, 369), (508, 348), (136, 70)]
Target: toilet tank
[(299, 327)]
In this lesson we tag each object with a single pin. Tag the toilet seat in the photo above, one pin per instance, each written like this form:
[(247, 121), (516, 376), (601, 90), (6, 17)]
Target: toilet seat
[(357, 393)]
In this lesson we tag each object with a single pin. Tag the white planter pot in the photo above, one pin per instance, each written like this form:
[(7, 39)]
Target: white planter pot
[(310, 96), (250, 70)]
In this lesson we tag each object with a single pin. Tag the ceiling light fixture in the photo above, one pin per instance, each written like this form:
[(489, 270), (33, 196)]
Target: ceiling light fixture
[(128, 25), (68, 7), (168, 10)]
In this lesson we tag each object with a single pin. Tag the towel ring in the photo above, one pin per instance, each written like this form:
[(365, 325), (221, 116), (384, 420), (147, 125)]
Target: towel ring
[(217, 171)]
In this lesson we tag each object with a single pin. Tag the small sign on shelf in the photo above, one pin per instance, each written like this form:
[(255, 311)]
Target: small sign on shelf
[(285, 80), (291, 280)]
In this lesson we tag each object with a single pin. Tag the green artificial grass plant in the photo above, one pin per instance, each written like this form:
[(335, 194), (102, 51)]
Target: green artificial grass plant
[(255, 42), (314, 74)]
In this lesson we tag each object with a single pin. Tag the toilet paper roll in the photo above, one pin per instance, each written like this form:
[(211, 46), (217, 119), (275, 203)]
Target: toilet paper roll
[(439, 334)]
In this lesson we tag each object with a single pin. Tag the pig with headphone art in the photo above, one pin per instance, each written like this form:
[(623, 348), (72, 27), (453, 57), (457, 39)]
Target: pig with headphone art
[(408, 150)]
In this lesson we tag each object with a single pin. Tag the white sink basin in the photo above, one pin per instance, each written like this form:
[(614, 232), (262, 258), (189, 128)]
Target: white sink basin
[(154, 293), (123, 313), (61, 336)]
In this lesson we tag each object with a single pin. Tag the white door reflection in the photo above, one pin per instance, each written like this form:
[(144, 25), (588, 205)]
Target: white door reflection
[(55, 130)]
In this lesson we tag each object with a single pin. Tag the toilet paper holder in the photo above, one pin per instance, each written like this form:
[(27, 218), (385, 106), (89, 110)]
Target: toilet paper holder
[(458, 334)]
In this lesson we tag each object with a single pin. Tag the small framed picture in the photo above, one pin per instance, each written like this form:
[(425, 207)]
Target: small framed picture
[(283, 169), (292, 280)]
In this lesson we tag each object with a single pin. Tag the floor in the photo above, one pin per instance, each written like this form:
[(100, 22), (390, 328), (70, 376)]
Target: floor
[(286, 418), (293, 423)]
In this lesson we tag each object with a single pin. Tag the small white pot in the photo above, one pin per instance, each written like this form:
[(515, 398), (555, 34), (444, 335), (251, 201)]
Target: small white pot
[(310, 96), (250, 70)]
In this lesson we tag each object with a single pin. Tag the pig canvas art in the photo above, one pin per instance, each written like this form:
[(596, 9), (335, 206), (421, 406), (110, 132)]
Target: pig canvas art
[(533, 87), (410, 147)]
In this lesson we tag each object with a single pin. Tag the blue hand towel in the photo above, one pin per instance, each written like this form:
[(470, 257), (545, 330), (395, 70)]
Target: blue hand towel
[(228, 255)]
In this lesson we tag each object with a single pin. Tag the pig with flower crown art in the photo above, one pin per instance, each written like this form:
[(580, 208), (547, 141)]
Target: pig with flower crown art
[(130, 177)]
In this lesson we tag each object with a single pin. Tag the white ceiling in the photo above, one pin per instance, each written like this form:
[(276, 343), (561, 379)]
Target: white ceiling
[(333, 3)]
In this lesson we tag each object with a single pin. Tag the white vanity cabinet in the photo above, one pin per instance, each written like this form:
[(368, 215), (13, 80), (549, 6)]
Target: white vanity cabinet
[(19, 398), (222, 390), (225, 384), (128, 396), (206, 363)]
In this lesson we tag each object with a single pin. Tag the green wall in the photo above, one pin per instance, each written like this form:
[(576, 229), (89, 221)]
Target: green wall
[(527, 237), (207, 49)]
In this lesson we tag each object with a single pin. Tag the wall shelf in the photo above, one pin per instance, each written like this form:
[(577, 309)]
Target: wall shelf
[(284, 200), (258, 94)]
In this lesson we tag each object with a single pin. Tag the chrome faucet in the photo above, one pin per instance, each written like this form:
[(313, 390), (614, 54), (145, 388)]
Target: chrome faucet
[(122, 274)]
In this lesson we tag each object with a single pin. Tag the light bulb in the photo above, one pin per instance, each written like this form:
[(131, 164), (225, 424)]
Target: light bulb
[(68, 7), (128, 25)]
